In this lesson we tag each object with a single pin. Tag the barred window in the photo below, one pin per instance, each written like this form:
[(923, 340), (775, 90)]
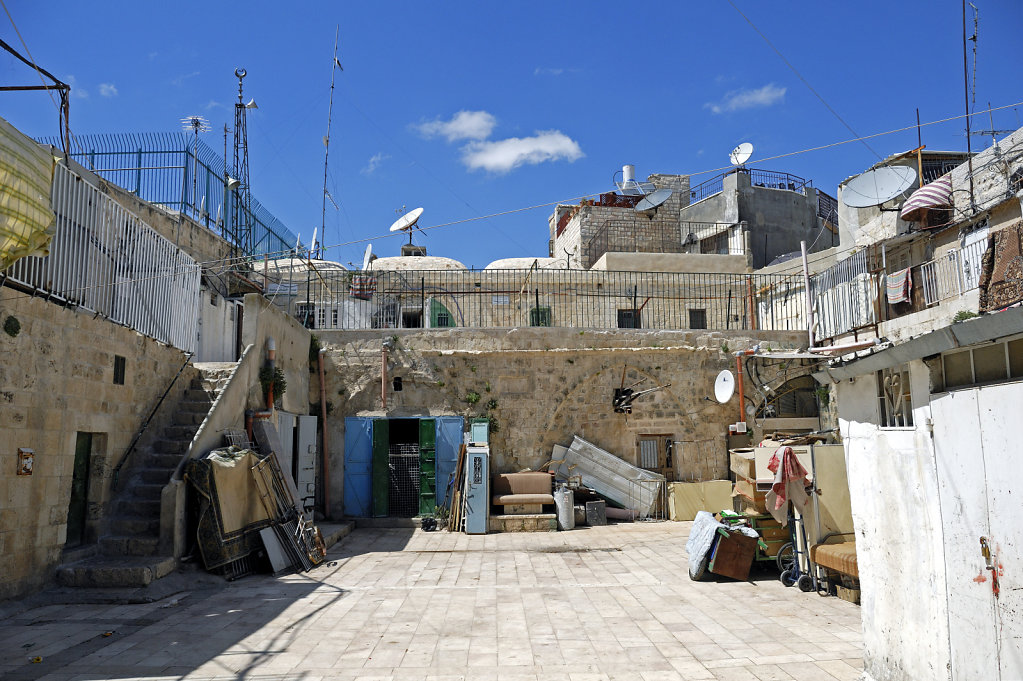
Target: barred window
[(895, 402)]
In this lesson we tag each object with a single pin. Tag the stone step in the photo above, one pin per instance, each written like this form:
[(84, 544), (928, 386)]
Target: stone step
[(193, 395), (115, 571), (121, 525), (138, 507), (129, 545), (147, 491), (189, 418), (185, 433), (155, 475), (194, 406), (165, 448)]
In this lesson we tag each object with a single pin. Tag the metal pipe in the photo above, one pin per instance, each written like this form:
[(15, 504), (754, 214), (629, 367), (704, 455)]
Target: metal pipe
[(847, 347), (809, 298), (742, 395), (324, 456), (383, 375)]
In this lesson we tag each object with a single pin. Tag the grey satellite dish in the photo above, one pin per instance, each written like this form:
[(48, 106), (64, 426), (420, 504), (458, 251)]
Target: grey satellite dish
[(724, 386), (407, 221), (874, 187), (368, 257), (741, 154), (652, 200)]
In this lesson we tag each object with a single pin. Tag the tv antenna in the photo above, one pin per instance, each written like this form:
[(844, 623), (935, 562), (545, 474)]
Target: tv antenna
[(740, 155), (196, 124), (326, 139), (408, 221)]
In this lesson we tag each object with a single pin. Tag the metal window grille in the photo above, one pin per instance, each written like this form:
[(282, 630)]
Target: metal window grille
[(404, 483), (648, 454), (895, 401)]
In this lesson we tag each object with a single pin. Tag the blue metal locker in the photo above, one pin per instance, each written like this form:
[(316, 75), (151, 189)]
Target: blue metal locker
[(477, 490)]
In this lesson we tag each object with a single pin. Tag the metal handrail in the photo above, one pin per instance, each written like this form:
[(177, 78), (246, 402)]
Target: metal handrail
[(145, 424)]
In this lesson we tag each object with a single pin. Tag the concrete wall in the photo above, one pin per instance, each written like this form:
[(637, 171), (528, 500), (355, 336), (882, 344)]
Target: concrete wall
[(543, 386), (899, 537), (671, 262), (56, 380)]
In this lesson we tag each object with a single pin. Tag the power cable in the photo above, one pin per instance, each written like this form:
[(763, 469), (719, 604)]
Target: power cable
[(805, 81)]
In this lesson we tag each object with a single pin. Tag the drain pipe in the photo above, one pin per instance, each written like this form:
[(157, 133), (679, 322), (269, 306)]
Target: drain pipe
[(738, 379), (324, 458), (809, 299), (383, 371)]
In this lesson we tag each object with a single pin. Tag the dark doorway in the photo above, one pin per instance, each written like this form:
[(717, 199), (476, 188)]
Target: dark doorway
[(79, 504), (403, 465)]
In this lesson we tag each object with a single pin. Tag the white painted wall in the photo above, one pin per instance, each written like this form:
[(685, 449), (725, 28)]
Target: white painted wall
[(218, 328), (920, 505), (894, 496)]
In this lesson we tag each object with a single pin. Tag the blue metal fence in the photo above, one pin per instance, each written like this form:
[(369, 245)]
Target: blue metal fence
[(172, 170)]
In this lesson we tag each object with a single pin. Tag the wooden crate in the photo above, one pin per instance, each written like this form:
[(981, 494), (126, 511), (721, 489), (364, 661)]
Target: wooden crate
[(743, 463), (733, 555), (753, 499)]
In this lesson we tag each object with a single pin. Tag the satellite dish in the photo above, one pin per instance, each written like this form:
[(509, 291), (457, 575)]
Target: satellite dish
[(874, 187), (741, 154), (724, 386), (407, 221), (652, 200), (368, 257)]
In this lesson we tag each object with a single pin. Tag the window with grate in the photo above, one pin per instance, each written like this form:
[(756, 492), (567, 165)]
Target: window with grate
[(894, 399), (629, 319), (540, 316), (119, 367), (697, 319)]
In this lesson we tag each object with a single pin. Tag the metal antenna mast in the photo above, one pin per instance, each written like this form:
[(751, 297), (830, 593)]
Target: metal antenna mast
[(242, 228), (326, 141)]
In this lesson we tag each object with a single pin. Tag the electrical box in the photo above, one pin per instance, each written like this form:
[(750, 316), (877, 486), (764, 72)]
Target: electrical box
[(479, 432), (477, 489)]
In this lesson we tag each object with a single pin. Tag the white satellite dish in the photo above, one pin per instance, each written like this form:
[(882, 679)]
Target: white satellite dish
[(741, 154), (874, 187), (724, 386), (407, 221), (652, 200), (368, 257)]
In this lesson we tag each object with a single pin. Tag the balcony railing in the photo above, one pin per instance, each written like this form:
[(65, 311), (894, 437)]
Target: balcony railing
[(106, 260), (558, 298), (952, 274)]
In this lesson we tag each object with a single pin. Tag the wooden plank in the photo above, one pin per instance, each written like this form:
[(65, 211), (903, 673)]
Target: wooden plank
[(733, 556)]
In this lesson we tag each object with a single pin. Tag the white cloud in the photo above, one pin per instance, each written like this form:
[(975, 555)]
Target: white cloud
[(107, 90), (180, 80), (76, 91), (213, 104), (539, 71), (374, 162), (464, 125), (737, 100), (504, 155)]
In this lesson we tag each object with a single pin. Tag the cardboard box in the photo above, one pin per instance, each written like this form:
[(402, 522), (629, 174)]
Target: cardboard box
[(743, 463), (685, 499), (754, 500)]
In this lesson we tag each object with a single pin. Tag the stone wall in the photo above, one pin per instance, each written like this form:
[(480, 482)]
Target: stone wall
[(57, 380), (544, 386)]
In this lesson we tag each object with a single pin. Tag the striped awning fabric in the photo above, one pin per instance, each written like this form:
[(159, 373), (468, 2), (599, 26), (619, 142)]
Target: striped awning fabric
[(937, 194)]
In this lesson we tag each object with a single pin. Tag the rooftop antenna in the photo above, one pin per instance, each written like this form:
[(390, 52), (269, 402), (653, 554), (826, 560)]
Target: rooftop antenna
[(740, 155), (196, 124), (966, 93), (407, 222), (242, 228), (368, 257), (326, 140)]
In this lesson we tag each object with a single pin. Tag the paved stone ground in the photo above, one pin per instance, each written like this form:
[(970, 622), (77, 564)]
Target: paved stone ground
[(593, 604)]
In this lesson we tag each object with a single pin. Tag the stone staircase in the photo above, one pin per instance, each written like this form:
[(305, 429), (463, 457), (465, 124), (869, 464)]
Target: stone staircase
[(127, 555)]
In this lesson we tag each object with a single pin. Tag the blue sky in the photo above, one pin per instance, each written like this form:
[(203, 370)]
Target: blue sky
[(471, 109)]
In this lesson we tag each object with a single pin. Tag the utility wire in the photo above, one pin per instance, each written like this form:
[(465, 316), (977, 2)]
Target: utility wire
[(805, 81)]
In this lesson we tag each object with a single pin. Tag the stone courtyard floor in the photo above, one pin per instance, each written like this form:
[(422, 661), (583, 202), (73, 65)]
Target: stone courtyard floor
[(592, 604)]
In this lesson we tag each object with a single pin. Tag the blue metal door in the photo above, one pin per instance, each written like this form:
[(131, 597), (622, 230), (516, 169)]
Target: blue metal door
[(358, 471), (449, 439)]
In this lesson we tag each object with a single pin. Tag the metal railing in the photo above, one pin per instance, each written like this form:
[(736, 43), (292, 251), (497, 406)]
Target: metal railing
[(827, 207), (952, 274), (631, 236), (170, 169), (845, 296), (773, 179), (556, 298), (714, 185), (106, 260), (719, 238)]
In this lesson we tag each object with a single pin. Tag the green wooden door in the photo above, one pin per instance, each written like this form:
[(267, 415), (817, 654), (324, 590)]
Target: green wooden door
[(79, 503), (427, 466), (381, 467)]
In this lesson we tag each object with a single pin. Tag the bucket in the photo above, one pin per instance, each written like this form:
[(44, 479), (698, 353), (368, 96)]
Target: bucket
[(564, 500)]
